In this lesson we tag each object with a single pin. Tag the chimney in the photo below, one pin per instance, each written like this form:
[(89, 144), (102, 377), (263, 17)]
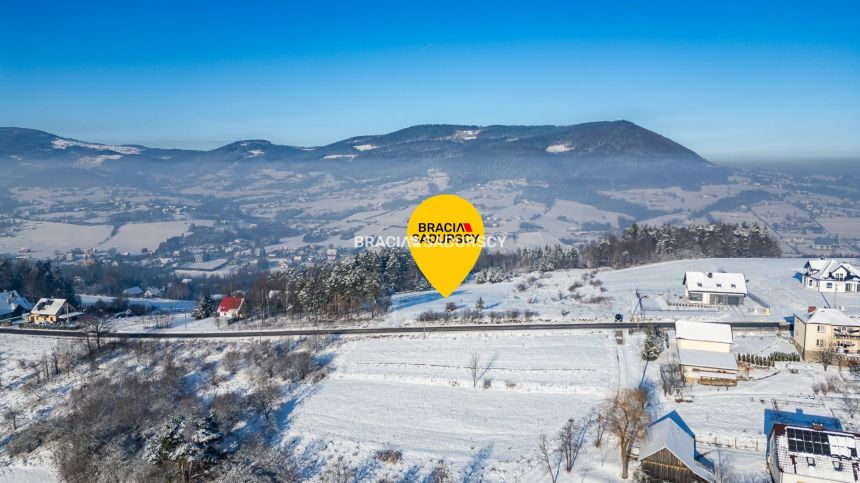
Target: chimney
[(818, 426), (710, 274), (810, 309)]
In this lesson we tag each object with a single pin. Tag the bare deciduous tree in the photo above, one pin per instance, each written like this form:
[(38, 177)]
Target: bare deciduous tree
[(600, 421), (828, 356), (98, 327), (550, 456), (670, 377), (474, 364), (571, 438), (627, 420), (850, 401)]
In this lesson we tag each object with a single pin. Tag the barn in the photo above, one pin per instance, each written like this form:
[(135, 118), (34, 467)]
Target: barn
[(668, 452)]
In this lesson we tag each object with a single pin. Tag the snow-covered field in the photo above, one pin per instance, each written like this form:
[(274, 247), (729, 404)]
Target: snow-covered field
[(773, 279), (416, 394), (43, 238)]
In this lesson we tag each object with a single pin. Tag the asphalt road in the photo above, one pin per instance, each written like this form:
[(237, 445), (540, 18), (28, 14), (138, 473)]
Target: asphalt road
[(365, 330)]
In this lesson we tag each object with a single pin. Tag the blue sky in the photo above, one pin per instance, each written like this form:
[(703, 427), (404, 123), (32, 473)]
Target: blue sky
[(731, 80)]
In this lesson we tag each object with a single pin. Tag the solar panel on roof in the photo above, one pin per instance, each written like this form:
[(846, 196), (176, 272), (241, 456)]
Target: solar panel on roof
[(808, 441)]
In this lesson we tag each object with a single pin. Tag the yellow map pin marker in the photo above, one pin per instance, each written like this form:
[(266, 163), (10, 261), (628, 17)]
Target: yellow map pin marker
[(446, 234)]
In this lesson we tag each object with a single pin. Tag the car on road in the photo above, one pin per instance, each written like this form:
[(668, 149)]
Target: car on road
[(619, 317)]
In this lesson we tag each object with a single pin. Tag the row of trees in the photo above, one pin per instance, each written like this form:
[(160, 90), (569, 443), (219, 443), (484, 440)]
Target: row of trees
[(347, 288), (644, 244), (35, 280)]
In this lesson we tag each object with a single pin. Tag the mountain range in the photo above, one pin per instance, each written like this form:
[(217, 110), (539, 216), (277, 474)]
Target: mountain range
[(617, 153)]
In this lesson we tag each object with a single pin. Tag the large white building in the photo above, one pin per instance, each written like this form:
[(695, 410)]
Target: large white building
[(715, 288), (797, 454), (828, 275)]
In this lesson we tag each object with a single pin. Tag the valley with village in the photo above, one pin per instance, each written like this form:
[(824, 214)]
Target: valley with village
[(729, 366)]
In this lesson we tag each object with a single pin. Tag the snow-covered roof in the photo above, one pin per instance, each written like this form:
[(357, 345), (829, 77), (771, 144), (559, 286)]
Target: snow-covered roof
[(132, 291), (806, 452), (823, 268), (46, 306), (828, 316), (715, 282), (704, 331), (708, 359), (670, 432), (10, 300)]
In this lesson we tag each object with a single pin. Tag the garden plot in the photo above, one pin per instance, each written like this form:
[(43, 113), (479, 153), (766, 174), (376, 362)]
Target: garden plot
[(416, 394)]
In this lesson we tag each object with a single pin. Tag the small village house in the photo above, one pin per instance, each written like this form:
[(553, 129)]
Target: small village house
[(133, 292), (798, 454), (231, 308), (715, 288), (707, 336), (825, 329), (48, 310), (828, 275), (708, 367), (825, 243), (668, 452), (13, 304)]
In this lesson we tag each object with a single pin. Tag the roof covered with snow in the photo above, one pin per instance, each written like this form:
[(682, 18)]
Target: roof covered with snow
[(703, 331), (46, 306), (708, 359), (806, 452), (10, 300), (670, 432), (715, 282), (827, 316), (823, 268)]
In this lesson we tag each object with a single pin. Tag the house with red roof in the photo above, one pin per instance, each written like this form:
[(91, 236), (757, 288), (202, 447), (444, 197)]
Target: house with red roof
[(231, 308)]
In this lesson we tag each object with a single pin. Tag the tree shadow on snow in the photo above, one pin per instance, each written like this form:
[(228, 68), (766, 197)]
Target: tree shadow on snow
[(420, 298), (474, 471)]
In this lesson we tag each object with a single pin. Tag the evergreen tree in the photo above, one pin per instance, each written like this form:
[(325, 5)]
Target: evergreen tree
[(205, 308)]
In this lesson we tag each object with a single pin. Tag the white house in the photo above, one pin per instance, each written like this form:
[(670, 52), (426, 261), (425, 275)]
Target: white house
[(707, 367), (231, 308), (706, 336), (797, 454), (133, 292), (828, 275), (13, 304), (715, 288)]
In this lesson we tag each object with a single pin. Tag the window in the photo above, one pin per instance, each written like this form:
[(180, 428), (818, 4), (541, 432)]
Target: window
[(819, 328), (810, 461), (829, 285), (810, 282), (837, 465), (719, 285), (819, 343)]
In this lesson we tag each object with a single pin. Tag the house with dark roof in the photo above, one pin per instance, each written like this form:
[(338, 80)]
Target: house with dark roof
[(812, 455), (828, 275), (668, 452)]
